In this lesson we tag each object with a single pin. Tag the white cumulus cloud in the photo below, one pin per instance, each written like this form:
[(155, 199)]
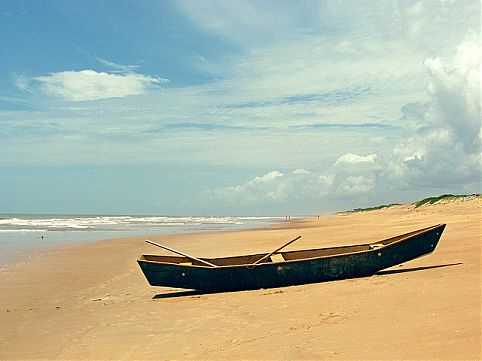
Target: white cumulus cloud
[(267, 187), (89, 84), (351, 158), (356, 185), (441, 153), (446, 145)]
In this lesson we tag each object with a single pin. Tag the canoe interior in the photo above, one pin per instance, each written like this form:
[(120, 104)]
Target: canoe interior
[(285, 256)]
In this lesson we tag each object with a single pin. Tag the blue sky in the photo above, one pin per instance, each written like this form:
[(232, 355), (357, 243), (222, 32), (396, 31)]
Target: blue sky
[(236, 107)]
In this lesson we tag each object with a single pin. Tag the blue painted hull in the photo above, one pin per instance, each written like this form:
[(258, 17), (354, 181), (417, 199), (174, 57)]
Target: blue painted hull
[(347, 264)]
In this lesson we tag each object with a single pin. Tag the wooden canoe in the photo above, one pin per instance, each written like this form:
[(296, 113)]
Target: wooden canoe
[(290, 267)]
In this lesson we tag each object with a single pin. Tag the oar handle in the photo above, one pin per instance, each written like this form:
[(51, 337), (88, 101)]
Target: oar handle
[(182, 254)]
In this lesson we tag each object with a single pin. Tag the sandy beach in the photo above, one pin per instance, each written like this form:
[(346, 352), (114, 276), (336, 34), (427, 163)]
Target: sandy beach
[(91, 301)]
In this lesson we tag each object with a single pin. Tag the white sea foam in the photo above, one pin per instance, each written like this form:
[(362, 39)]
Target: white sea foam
[(23, 230), (119, 223), (19, 232)]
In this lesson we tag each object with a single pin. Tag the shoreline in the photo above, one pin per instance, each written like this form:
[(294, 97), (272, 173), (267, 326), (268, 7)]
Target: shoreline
[(18, 246), (91, 301)]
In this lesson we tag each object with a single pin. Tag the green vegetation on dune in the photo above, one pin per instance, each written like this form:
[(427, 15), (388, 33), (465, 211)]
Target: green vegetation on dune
[(375, 208), (429, 200), (433, 200)]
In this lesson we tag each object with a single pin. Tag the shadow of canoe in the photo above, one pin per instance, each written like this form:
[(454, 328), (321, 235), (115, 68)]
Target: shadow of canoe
[(194, 293)]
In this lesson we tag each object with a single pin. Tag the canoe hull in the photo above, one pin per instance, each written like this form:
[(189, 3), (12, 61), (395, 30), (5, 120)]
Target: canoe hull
[(294, 272)]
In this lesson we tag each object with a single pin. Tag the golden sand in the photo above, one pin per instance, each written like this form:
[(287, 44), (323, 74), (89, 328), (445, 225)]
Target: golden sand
[(91, 301)]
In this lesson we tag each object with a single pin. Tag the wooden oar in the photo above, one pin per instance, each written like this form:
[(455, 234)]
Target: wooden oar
[(182, 254), (276, 250)]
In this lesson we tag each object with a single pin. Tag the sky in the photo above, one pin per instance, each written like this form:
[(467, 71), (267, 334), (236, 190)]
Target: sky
[(236, 107)]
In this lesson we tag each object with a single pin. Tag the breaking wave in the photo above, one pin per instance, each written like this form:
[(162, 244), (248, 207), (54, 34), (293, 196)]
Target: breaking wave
[(122, 223)]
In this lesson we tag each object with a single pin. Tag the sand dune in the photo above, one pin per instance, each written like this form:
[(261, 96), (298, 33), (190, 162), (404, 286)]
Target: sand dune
[(92, 302)]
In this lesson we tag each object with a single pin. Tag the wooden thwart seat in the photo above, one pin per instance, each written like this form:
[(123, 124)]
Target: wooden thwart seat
[(277, 257)]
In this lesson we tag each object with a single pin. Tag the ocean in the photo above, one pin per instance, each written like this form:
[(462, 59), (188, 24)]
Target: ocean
[(23, 235)]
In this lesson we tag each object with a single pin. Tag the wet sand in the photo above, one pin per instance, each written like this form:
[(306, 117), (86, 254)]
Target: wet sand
[(91, 302)]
